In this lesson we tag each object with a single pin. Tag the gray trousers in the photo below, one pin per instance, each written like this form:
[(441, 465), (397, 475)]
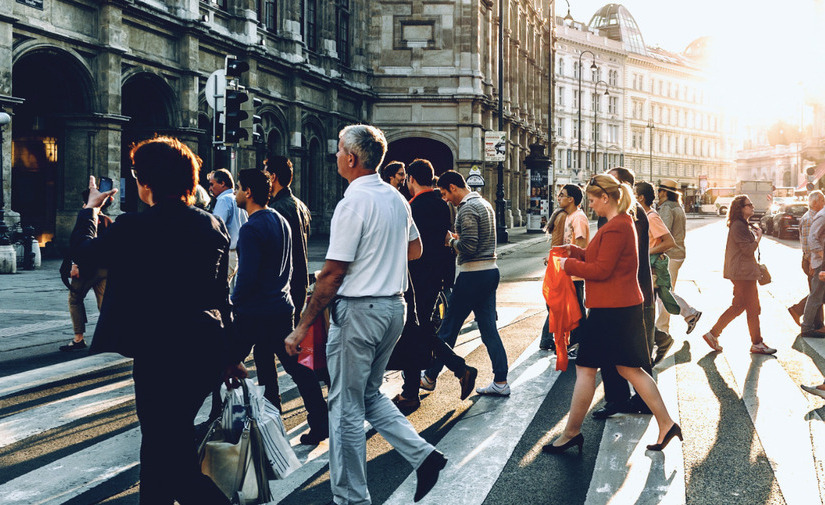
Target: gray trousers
[(362, 335)]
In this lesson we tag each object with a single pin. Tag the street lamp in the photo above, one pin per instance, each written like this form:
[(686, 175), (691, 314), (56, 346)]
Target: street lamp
[(4, 239), (501, 228), (596, 104), (579, 126), (651, 126)]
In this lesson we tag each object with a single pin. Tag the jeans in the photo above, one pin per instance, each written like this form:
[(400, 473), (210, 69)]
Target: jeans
[(268, 333), (473, 292), (814, 303), (362, 335)]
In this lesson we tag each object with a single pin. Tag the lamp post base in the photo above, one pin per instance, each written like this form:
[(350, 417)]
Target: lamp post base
[(502, 236)]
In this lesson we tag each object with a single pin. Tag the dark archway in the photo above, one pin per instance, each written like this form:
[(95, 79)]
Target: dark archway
[(55, 87), (148, 102), (408, 149)]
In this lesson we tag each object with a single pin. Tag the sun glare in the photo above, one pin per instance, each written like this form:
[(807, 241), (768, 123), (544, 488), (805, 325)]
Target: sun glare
[(766, 63)]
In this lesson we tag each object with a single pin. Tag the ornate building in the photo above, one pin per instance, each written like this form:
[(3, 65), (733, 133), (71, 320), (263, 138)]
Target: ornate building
[(655, 117), (84, 80)]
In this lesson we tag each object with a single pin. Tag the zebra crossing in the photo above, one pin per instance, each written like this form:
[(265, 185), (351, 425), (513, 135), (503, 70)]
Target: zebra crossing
[(751, 435)]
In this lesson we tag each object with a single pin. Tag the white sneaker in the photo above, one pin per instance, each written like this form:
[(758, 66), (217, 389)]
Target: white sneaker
[(494, 390), (425, 383), (692, 320), (813, 390)]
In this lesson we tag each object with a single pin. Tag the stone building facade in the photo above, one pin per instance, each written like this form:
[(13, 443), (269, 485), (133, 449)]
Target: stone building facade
[(83, 80), (436, 80)]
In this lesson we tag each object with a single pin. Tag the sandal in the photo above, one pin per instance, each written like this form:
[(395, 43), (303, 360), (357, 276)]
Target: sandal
[(761, 348), (713, 342)]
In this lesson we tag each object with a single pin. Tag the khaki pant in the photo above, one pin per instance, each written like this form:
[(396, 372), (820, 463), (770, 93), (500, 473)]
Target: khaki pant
[(79, 289)]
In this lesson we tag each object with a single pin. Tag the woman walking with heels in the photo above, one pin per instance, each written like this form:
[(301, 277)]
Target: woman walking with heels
[(613, 334)]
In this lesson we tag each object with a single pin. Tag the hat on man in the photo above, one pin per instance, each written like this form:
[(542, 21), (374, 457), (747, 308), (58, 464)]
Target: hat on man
[(669, 185)]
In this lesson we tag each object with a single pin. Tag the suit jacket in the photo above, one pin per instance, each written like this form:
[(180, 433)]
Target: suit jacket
[(167, 292), (432, 218), (298, 217)]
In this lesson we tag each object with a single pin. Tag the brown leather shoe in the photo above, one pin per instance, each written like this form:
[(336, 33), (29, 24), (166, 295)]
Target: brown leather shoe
[(406, 405), (797, 317), (468, 381)]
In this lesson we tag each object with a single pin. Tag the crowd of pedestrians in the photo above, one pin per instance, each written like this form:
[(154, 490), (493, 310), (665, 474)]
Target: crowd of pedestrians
[(235, 275)]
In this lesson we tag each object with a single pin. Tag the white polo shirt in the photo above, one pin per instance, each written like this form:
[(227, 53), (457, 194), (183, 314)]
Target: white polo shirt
[(371, 229)]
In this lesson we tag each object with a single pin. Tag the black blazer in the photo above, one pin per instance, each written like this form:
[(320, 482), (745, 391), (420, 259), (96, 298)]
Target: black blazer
[(167, 289), (432, 218)]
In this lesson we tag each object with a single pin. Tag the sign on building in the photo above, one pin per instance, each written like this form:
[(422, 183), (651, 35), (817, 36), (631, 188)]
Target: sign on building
[(474, 179), (495, 146)]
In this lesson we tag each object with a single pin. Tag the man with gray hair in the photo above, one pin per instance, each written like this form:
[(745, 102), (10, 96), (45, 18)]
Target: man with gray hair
[(811, 234), (372, 236)]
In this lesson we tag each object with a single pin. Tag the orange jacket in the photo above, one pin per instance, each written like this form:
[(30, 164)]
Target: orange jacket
[(564, 313)]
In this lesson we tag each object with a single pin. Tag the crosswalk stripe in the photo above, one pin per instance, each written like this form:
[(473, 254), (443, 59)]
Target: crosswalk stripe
[(75, 474), (55, 414), (482, 441), (624, 471), (44, 376)]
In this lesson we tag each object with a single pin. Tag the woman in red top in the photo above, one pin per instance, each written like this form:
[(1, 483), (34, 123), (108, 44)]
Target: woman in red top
[(613, 333)]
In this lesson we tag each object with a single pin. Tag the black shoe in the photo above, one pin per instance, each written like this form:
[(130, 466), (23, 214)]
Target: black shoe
[(578, 440), (427, 474), (74, 346), (406, 406), (611, 408), (314, 437), (468, 381)]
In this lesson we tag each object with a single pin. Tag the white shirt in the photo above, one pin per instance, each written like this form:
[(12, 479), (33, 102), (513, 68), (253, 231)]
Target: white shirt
[(371, 229)]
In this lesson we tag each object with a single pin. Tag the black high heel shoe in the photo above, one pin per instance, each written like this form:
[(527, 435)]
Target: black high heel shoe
[(674, 431), (578, 440)]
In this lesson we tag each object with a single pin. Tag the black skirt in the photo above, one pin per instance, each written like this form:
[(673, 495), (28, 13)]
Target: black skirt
[(613, 336)]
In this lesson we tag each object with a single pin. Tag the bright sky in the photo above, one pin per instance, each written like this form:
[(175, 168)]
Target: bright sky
[(764, 50)]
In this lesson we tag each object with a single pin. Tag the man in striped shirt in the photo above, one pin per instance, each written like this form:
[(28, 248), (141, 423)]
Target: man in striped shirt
[(475, 287), (816, 201)]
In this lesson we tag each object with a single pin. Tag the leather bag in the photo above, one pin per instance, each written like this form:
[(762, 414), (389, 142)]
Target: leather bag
[(764, 274)]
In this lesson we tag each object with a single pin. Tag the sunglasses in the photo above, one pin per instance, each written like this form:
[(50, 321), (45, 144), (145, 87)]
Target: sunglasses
[(593, 182), (748, 205)]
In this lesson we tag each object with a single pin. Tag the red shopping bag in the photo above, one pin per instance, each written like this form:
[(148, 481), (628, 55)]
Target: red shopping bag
[(314, 346), (560, 296)]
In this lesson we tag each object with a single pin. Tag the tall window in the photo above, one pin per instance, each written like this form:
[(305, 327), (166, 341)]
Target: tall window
[(343, 32), (267, 14), (560, 127), (613, 105), (561, 67), (311, 24), (560, 95)]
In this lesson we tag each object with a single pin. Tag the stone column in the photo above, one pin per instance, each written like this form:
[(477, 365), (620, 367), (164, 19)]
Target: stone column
[(6, 105)]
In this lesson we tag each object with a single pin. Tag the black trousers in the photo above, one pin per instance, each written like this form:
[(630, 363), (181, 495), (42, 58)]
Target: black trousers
[(268, 332), (616, 388), (169, 468)]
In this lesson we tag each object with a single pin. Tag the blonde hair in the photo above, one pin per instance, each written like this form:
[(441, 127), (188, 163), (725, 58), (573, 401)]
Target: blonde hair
[(621, 192)]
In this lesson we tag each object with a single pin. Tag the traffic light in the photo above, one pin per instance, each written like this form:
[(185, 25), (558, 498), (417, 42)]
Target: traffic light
[(251, 123), (233, 130), (235, 67)]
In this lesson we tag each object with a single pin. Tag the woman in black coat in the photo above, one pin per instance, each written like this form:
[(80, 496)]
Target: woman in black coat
[(743, 271), (166, 304)]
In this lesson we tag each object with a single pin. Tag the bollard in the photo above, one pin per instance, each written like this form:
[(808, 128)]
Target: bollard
[(8, 256), (28, 253)]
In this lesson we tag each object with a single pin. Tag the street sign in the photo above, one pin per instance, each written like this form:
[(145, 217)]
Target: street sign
[(495, 146), (216, 87), (475, 179)]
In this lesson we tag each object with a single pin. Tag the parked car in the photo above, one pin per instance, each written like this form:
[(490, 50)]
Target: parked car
[(786, 220), (766, 223)]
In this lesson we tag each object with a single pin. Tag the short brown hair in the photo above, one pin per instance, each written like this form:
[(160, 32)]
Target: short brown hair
[(168, 167)]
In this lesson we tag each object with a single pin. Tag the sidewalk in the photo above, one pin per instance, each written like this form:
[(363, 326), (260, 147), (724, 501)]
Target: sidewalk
[(34, 311)]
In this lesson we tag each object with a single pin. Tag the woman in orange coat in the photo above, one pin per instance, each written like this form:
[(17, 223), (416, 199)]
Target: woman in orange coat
[(613, 334)]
